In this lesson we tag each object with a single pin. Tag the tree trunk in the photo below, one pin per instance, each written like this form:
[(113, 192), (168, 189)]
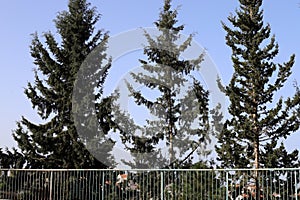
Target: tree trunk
[(256, 165)]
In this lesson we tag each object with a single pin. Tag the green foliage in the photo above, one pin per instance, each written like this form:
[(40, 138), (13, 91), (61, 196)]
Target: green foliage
[(178, 105), (55, 143), (11, 159), (257, 122)]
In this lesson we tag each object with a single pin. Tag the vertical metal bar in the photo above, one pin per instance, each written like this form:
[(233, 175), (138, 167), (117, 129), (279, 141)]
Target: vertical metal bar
[(161, 185), (102, 184), (296, 193), (227, 185), (50, 188), (212, 185)]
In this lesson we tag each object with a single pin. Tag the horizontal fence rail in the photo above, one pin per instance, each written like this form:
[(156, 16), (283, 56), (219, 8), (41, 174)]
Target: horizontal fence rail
[(177, 184)]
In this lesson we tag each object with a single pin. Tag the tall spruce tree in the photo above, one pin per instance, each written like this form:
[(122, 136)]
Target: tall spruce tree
[(180, 111), (55, 143), (251, 137)]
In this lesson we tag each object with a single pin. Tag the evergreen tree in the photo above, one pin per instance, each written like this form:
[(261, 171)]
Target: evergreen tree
[(2, 158), (250, 138), (11, 159), (55, 143), (180, 110)]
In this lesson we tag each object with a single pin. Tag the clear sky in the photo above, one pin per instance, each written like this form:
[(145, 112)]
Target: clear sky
[(19, 19)]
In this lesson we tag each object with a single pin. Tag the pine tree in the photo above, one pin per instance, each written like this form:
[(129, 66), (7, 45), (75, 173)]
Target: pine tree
[(257, 121), (11, 159), (177, 106), (55, 143), (2, 159), (250, 137)]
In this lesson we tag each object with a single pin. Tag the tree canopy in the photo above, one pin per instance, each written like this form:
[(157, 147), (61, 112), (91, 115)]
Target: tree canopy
[(55, 143), (177, 100), (258, 120)]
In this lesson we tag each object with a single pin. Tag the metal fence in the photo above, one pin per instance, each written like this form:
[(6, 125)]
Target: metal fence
[(177, 184)]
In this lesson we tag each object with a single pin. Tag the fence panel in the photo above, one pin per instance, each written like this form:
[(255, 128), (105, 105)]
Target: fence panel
[(158, 184)]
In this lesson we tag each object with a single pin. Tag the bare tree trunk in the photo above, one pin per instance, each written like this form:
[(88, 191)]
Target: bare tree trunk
[(171, 148), (170, 120), (256, 148), (171, 151), (256, 175), (256, 157)]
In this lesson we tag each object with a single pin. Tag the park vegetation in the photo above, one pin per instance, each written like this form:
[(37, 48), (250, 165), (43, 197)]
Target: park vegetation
[(251, 135)]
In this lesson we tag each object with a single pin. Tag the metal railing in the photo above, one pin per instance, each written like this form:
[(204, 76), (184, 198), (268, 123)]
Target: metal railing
[(177, 184)]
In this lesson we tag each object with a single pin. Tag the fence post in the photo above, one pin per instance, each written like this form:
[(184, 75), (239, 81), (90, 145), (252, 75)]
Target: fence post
[(227, 185), (51, 185), (102, 184), (161, 185), (296, 192)]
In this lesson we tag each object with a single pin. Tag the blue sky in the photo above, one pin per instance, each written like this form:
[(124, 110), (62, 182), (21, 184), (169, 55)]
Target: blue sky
[(19, 19)]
